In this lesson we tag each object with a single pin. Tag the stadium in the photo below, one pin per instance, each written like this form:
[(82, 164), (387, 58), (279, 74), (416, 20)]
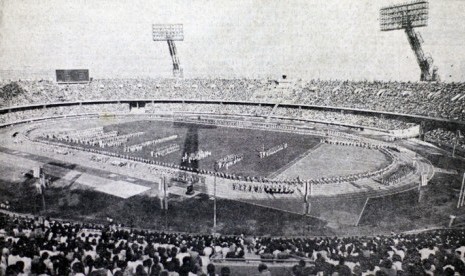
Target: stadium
[(183, 174)]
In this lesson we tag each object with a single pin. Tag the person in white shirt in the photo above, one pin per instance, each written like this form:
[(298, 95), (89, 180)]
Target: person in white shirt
[(46, 260), (27, 263), (225, 249), (399, 251), (2, 265), (207, 251), (397, 262), (13, 257), (425, 252), (133, 263), (182, 253), (461, 252)]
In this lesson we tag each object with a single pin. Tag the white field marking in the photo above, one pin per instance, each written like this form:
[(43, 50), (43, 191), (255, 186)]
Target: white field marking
[(121, 189)]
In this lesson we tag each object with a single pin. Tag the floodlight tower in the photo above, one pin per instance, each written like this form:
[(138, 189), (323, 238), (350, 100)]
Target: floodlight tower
[(170, 33), (408, 17)]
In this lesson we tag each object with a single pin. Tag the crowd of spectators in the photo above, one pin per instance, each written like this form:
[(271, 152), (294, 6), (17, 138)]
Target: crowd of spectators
[(46, 247), (342, 117), (445, 137), (444, 100), (36, 113), (221, 109), (38, 246), (253, 110), (45, 91)]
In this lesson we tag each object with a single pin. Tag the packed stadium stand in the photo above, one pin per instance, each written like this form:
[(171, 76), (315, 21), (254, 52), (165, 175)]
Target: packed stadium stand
[(431, 100), (289, 138), (42, 246), (441, 100)]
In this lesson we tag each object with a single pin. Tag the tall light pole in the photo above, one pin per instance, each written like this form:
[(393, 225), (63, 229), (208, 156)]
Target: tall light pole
[(458, 135), (42, 186), (461, 200), (214, 197), (409, 17), (420, 184), (170, 33), (307, 195)]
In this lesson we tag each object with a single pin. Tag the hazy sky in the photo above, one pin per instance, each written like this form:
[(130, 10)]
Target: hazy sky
[(338, 39)]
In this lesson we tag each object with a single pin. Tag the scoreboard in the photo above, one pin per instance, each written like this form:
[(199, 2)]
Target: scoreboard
[(72, 75)]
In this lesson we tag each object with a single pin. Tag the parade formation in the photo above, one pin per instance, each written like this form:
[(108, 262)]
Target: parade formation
[(95, 140)]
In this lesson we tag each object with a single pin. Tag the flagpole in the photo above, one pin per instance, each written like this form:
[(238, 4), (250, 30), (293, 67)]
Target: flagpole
[(42, 184), (462, 193), (161, 194), (214, 199), (460, 201), (458, 135), (165, 202)]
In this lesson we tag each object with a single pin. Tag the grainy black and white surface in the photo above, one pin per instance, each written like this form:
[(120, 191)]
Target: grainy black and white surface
[(180, 137)]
